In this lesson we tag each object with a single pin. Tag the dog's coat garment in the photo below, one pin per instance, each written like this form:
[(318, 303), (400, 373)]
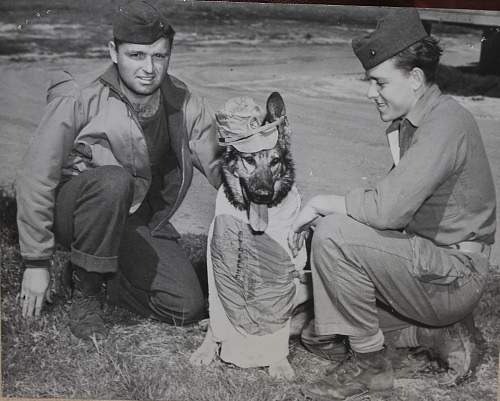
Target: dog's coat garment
[(252, 282)]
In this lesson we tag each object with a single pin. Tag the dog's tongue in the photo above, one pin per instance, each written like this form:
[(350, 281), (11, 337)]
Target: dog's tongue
[(258, 216)]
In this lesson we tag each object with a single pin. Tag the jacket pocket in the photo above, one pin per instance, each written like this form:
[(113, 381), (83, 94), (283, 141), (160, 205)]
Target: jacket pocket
[(432, 264)]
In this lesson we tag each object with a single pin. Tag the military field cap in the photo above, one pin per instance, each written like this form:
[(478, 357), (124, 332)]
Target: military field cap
[(239, 124), (397, 30), (140, 22)]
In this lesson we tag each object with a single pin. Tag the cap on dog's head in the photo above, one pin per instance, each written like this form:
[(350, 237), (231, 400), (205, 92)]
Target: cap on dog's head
[(239, 124)]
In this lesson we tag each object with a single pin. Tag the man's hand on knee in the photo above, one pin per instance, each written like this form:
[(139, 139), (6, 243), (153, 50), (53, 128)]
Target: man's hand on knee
[(33, 289)]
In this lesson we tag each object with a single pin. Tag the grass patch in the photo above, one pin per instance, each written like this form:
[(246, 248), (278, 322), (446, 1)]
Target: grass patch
[(148, 360), (465, 81)]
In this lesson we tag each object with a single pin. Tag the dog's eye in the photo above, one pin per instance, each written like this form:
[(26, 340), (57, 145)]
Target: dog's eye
[(274, 161), (249, 159)]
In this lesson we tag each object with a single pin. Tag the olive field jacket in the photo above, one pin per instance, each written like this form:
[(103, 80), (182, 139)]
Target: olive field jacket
[(90, 124)]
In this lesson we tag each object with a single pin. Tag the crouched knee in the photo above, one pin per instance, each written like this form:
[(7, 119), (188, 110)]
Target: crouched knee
[(178, 311), (330, 229), (115, 183)]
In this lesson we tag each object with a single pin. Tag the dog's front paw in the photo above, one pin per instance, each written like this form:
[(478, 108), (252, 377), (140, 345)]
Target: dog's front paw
[(281, 370), (204, 354)]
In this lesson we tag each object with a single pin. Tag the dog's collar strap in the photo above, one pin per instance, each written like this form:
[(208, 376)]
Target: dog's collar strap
[(228, 137)]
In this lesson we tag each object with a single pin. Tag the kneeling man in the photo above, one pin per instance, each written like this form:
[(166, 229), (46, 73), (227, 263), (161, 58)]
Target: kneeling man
[(411, 254), (110, 163)]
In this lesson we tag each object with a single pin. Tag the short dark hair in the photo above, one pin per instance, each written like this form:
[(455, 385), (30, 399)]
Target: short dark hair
[(117, 42), (424, 54)]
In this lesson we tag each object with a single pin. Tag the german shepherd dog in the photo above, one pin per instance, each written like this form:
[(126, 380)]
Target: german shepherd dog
[(252, 275), (254, 182)]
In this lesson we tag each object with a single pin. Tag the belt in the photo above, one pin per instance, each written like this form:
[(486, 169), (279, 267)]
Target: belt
[(472, 247)]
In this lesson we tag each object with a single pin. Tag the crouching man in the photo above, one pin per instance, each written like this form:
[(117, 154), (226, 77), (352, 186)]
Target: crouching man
[(411, 254), (111, 161)]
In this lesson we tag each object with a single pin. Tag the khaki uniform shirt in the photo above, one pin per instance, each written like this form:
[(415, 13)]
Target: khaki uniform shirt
[(442, 187)]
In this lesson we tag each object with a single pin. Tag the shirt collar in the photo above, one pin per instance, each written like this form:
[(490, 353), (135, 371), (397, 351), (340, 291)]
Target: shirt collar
[(424, 105), (111, 78)]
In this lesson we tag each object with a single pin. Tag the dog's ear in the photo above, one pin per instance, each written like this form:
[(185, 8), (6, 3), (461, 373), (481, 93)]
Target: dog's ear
[(275, 107)]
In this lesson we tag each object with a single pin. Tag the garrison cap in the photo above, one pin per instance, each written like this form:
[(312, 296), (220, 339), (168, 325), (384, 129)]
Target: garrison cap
[(396, 31), (141, 22), (239, 124)]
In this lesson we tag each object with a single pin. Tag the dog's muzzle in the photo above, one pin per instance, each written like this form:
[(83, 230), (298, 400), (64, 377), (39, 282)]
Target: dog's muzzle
[(262, 196)]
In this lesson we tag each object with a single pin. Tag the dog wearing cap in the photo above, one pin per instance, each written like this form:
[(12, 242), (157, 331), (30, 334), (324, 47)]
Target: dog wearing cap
[(254, 281)]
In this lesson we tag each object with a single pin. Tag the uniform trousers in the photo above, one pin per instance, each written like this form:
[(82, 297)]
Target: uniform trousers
[(366, 280), (149, 275)]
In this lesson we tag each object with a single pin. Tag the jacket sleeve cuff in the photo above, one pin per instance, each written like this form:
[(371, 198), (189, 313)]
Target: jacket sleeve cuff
[(354, 204), (37, 264)]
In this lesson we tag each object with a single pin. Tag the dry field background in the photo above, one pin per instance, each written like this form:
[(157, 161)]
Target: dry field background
[(221, 51)]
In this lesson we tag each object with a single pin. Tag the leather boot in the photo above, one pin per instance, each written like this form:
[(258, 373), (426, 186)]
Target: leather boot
[(331, 347), (355, 377), (85, 314), (458, 348)]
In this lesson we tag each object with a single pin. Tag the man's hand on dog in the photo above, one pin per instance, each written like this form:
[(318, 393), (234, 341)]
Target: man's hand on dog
[(309, 216), (306, 219)]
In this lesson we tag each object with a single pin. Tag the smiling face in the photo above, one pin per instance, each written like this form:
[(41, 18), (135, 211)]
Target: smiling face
[(393, 90), (141, 67)]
